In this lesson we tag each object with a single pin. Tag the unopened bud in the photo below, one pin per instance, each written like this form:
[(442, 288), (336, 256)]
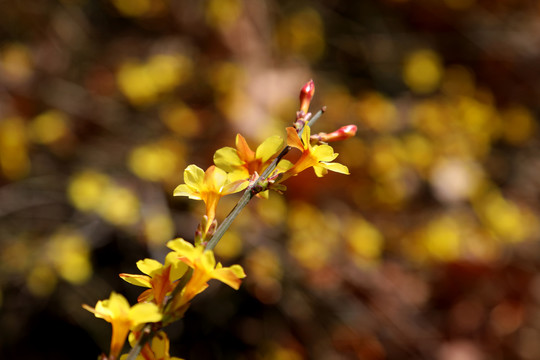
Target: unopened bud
[(306, 94), (342, 133)]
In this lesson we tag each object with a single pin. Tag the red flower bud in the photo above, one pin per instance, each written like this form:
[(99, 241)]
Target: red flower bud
[(342, 133), (305, 96)]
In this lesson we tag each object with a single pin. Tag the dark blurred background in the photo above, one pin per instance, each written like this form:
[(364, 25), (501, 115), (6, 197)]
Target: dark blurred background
[(428, 250)]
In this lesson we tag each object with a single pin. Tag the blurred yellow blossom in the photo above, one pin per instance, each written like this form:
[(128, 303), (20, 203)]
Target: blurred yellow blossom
[(223, 13), (230, 245), (86, 189), (442, 238), (377, 112), (119, 205), (91, 190), (422, 71), (181, 119), (41, 280), (14, 160), (48, 127), (69, 252), (143, 83), (169, 70), (504, 218), (518, 124), (158, 227), (301, 34), (420, 151), (314, 235), (365, 241), (154, 161)]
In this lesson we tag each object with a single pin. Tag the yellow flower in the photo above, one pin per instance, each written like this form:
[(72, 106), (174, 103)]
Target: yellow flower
[(318, 156), (204, 269), (160, 279), (208, 186), (243, 162), (123, 318), (158, 350)]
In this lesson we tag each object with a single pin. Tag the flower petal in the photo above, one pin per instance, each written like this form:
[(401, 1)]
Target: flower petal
[(306, 134), (324, 153), (137, 280), (269, 148), (227, 159), (336, 167), (230, 276), (144, 312), (194, 176), (184, 249), (244, 151), (235, 187), (178, 268), (185, 190), (149, 266), (320, 170), (214, 179), (208, 261), (293, 139)]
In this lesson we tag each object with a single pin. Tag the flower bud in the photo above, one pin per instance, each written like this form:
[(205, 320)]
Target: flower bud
[(342, 133), (305, 96)]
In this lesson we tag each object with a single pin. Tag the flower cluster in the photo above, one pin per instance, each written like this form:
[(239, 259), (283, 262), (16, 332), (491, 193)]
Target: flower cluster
[(188, 268)]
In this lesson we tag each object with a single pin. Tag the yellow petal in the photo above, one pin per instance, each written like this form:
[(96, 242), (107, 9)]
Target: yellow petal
[(183, 248), (178, 268), (336, 167), (215, 178), (194, 176), (143, 313), (320, 170), (293, 139), (208, 261), (227, 159), (269, 148), (306, 134), (324, 153), (149, 266), (137, 280), (117, 305), (227, 276), (284, 165), (235, 187), (184, 190), (244, 151)]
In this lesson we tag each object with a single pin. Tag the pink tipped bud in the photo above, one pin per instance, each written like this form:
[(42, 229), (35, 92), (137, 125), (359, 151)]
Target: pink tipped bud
[(342, 133), (305, 96)]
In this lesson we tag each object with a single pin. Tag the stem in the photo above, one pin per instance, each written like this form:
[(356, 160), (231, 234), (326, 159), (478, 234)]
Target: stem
[(313, 119), (147, 335)]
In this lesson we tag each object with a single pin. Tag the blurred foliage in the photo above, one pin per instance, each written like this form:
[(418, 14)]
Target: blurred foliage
[(428, 250)]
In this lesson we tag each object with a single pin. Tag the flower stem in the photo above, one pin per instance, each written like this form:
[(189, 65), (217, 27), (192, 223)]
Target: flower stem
[(147, 335)]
